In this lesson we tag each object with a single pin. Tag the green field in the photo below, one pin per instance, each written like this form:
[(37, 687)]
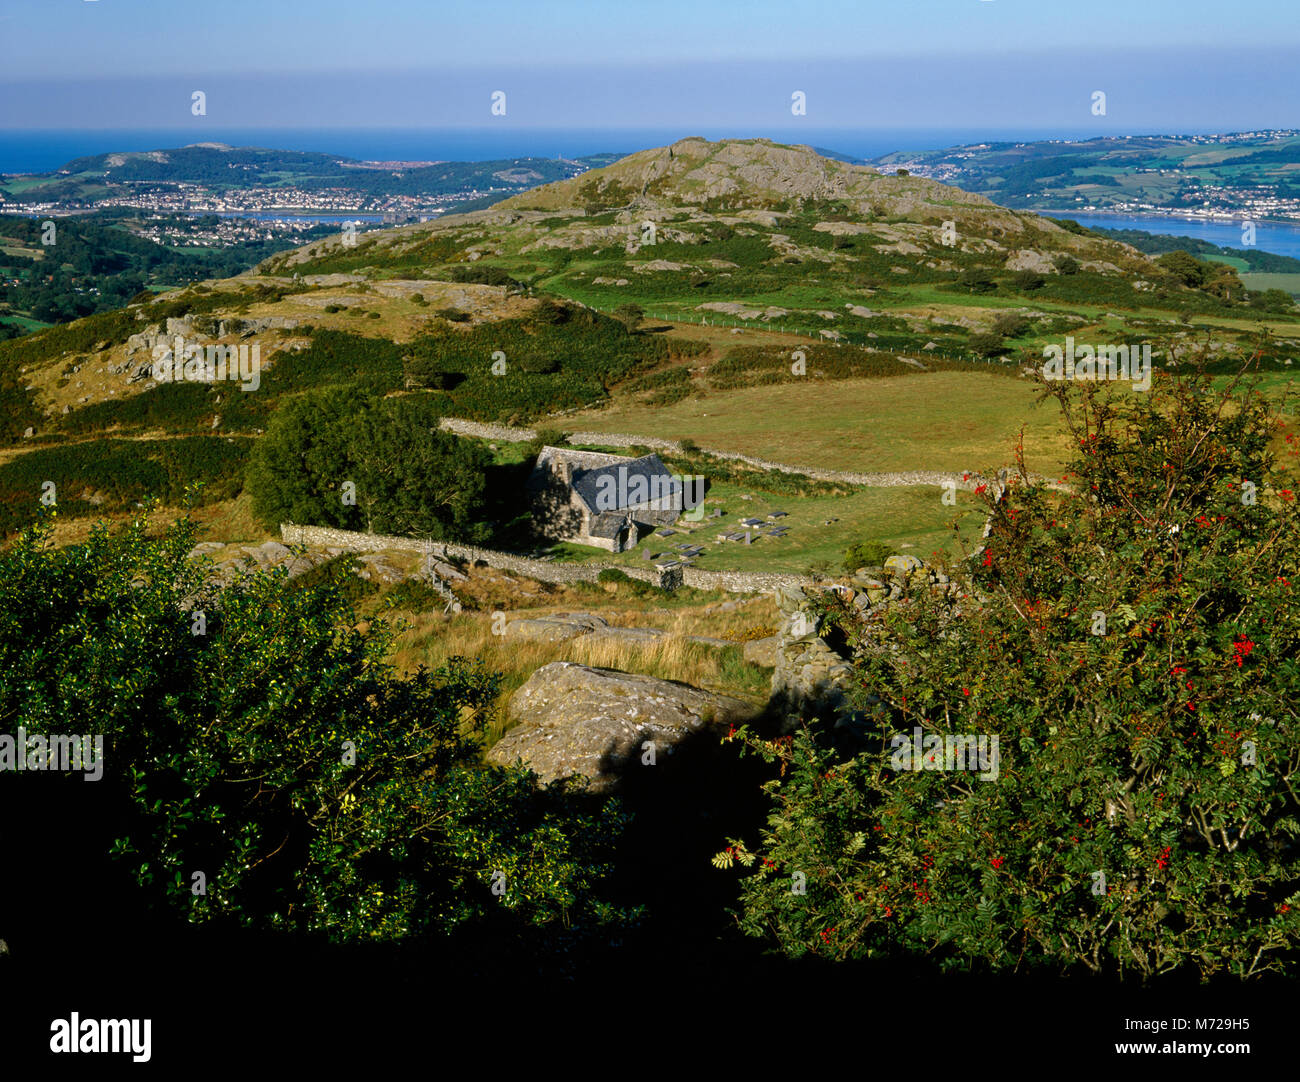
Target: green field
[(945, 421), (1289, 283), (26, 323), (1237, 264)]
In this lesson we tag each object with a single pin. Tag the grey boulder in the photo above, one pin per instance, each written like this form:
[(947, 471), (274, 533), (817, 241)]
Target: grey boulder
[(580, 720)]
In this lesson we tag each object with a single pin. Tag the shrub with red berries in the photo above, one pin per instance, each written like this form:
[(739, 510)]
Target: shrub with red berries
[(1162, 750)]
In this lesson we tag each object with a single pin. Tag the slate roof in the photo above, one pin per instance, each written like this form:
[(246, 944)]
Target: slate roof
[(625, 481), (607, 524)]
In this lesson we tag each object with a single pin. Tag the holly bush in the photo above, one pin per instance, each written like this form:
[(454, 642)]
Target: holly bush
[(1130, 637), (255, 733)]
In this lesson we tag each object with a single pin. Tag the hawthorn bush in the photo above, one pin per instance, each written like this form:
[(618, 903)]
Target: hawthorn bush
[(273, 748), (1131, 639)]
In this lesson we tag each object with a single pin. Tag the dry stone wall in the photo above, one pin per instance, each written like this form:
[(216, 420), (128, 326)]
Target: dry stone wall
[(622, 439), (542, 570)]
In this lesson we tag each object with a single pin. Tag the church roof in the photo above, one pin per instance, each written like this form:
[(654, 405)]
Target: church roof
[(632, 483)]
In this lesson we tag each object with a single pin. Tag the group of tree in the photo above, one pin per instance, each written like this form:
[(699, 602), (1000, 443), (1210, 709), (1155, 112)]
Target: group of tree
[(1218, 279), (341, 458), (96, 263)]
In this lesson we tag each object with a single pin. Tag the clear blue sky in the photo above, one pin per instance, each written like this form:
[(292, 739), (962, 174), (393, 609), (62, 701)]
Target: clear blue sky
[(1164, 64)]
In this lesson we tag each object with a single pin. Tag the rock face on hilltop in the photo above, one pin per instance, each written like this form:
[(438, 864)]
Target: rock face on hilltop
[(754, 176), (579, 720)]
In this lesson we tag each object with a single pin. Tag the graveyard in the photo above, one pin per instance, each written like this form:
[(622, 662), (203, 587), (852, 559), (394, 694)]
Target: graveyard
[(742, 528)]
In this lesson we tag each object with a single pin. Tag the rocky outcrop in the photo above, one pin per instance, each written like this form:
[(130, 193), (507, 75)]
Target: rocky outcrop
[(763, 652), (230, 560), (558, 627), (1031, 260), (378, 567), (576, 720), (563, 626), (809, 677), (200, 326), (743, 311)]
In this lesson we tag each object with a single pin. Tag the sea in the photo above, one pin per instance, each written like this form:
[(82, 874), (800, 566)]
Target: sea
[(1276, 237), (40, 151)]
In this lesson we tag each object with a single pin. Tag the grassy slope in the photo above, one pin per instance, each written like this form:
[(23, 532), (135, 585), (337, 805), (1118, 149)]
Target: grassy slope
[(930, 421)]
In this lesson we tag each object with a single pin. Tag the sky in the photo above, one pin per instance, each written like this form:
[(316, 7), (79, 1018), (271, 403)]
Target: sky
[(1164, 65)]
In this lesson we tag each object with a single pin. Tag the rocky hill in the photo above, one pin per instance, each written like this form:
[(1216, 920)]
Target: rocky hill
[(755, 185)]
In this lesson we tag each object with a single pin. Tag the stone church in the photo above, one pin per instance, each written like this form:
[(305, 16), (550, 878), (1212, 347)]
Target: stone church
[(606, 501)]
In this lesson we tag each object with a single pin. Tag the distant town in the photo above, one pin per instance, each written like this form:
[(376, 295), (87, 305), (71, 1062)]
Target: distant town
[(283, 193), (1109, 174)]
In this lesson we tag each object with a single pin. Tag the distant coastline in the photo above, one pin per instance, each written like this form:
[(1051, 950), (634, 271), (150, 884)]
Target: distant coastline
[(1278, 237), (38, 151)]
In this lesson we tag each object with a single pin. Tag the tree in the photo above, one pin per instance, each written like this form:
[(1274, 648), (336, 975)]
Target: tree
[(1027, 281), (1222, 282), (630, 315), (550, 311), (274, 748), (547, 436), (338, 458), (1184, 267), (1132, 644), (415, 480), (1272, 300), (977, 280), (987, 344), (1066, 264), (1010, 325), (298, 469)]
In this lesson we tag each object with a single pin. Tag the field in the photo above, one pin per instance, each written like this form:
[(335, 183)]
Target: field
[(1289, 283), (947, 421)]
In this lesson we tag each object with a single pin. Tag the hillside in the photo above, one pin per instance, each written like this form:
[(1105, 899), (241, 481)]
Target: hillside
[(761, 188), (690, 272), (96, 263)]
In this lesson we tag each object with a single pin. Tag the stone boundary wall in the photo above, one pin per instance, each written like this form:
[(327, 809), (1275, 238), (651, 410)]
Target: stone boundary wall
[(543, 570), (621, 439)]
